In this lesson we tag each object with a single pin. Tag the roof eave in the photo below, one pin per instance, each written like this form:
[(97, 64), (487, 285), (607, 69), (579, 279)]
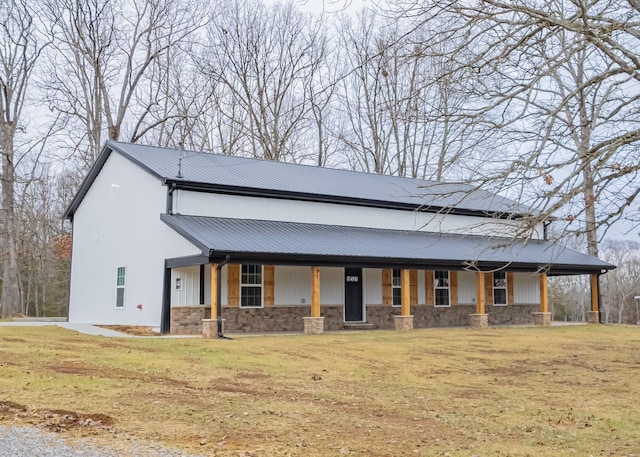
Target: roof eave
[(195, 186)]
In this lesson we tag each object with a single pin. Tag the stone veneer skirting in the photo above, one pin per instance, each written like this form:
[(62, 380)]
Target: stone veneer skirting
[(188, 319)]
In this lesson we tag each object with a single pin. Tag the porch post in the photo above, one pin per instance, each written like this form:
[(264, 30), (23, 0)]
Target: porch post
[(315, 323), (210, 326), (593, 316), (480, 318), (543, 317), (405, 320), (214, 291)]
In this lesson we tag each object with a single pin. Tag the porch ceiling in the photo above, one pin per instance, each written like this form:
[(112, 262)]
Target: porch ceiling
[(277, 242)]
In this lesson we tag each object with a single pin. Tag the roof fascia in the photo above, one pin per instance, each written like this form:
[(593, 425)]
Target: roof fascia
[(338, 199), (376, 262), (167, 219), (107, 149), (88, 181)]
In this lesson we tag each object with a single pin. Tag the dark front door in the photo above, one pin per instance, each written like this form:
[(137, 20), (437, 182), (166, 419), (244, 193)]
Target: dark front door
[(353, 294)]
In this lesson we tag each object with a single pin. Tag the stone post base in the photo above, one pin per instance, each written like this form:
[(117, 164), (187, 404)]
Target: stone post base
[(313, 325), (479, 320), (593, 317), (210, 328), (543, 319), (403, 322)]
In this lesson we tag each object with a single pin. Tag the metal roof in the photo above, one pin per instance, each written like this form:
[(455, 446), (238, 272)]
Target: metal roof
[(262, 241), (263, 177)]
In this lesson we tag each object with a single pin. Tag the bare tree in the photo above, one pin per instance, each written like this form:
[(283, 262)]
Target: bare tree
[(105, 51), (557, 90), (265, 58), (620, 286), (20, 48)]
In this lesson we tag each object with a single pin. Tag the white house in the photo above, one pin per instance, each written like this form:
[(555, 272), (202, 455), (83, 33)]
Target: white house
[(161, 235)]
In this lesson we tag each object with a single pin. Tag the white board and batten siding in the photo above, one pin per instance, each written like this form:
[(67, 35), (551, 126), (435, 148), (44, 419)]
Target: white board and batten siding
[(240, 207), (526, 288), (118, 224)]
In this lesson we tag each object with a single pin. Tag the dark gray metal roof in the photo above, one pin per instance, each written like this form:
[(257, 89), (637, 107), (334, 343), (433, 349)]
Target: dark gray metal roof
[(296, 243), (263, 177)]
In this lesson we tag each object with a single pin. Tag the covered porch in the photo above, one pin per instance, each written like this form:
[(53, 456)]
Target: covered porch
[(260, 276)]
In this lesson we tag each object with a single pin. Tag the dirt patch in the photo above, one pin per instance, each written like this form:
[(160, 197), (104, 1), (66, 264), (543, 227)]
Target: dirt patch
[(136, 330), (61, 420), (56, 420), (9, 409), (14, 340)]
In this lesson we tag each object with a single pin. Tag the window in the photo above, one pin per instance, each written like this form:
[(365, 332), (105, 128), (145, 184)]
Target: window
[(120, 280), (499, 288), (251, 286), (396, 288), (441, 286)]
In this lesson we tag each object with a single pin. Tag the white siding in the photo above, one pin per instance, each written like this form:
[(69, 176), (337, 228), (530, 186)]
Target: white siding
[(466, 287), (526, 288), (189, 292), (293, 285), (233, 206), (372, 294), (331, 286), (422, 293), (118, 224)]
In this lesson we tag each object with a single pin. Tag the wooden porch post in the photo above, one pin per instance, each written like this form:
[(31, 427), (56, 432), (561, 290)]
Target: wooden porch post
[(593, 316), (544, 294), (210, 326), (543, 317), (405, 292), (480, 318), (214, 291), (315, 323), (404, 321), (315, 291)]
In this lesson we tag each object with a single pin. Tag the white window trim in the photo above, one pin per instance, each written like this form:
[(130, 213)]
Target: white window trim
[(252, 285), (448, 288), (393, 286), (123, 287), (505, 288)]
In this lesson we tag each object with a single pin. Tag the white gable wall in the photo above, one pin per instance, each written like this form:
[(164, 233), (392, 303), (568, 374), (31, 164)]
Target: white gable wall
[(118, 224), (239, 207)]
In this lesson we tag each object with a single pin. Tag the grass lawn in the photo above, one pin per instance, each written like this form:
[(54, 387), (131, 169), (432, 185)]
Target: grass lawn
[(571, 391)]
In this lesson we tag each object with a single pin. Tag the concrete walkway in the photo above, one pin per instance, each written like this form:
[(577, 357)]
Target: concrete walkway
[(80, 328)]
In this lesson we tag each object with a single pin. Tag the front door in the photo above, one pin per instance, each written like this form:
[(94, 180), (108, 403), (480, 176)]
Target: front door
[(353, 294)]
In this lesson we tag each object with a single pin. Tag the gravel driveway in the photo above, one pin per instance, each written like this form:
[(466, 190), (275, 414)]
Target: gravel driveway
[(34, 442)]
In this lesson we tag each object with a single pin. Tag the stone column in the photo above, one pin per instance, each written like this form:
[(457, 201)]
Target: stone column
[(542, 319), (210, 328), (313, 325)]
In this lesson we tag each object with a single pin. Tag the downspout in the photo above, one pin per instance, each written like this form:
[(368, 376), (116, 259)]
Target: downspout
[(545, 229), (170, 188), (219, 297)]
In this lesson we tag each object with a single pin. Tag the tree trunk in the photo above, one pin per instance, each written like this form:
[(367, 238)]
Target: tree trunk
[(10, 285)]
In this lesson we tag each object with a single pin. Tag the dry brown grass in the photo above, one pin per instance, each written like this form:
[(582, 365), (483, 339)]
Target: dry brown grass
[(457, 392)]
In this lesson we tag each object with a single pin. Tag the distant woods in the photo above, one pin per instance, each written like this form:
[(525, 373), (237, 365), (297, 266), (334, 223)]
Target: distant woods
[(541, 105)]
